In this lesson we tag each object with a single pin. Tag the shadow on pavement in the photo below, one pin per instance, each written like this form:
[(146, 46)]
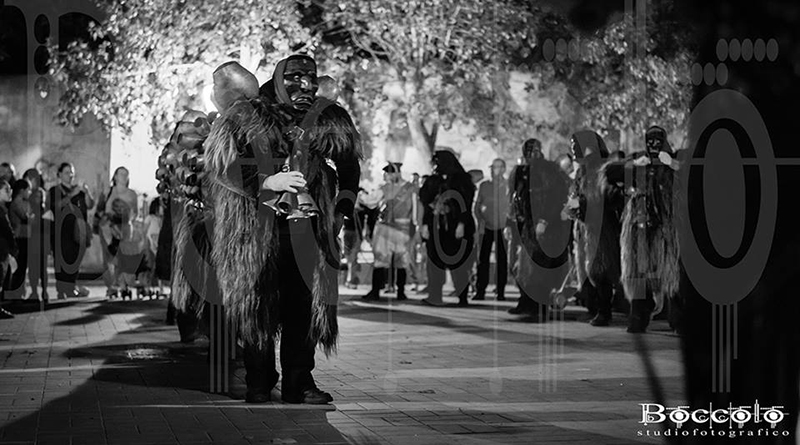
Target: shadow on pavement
[(147, 392), (400, 314)]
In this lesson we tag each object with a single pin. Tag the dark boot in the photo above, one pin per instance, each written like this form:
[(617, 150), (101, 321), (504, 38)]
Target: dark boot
[(463, 297), (525, 305), (605, 293), (537, 313), (401, 284), (640, 315), (378, 278), (587, 295), (170, 313), (187, 326)]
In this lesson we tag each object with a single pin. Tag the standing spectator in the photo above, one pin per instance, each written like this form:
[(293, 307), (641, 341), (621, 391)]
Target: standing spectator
[(8, 246), (8, 172), (448, 226), (69, 204), (19, 215), (128, 209), (117, 210), (353, 235), (152, 227), (420, 255), (491, 211), (164, 254), (38, 242), (414, 272)]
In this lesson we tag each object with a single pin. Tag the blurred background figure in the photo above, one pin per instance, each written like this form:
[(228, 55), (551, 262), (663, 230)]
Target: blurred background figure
[(163, 263), (39, 237), (152, 228), (20, 215), (68, 206), (352, 238), (491, 212), (448, 226), (8, 173), (115, 215)]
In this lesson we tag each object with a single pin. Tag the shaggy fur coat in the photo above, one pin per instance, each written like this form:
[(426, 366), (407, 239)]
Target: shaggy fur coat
[(251, 140), (649, 239), (597, 230)]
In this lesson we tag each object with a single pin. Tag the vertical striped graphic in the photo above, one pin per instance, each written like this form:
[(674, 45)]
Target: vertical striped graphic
[(724, 345), (390, 379), (551, 347), (496, 379), (222, 348)]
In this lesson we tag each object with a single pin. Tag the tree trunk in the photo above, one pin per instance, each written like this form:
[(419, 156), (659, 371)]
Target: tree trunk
[(423, 140)]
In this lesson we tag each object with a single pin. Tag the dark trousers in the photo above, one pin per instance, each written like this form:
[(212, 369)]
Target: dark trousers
[(295, 273), (492, 237), (38, 249), (603, 295), (458, 265), (17, 281), (3, 279)]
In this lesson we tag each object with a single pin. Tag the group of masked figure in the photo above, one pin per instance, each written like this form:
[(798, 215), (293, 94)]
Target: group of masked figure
[(604, 221), (611, 223)]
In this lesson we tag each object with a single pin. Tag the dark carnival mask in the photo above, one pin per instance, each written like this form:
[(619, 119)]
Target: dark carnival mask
[(296, 81), (655, 140), (532, 149)]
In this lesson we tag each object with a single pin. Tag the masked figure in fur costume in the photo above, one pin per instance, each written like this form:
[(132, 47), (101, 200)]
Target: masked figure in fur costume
[(539, 191), (597, 227), (277, 273), (649, 239), (448, 226)]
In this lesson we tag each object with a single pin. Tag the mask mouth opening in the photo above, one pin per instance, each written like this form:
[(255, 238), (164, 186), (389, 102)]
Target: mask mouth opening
[(302, 100)]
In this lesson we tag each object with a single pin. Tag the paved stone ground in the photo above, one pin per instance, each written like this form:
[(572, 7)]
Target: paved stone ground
[(92, 371)]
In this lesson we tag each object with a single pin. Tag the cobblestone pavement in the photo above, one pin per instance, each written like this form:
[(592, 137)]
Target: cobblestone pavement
[(90, 371)]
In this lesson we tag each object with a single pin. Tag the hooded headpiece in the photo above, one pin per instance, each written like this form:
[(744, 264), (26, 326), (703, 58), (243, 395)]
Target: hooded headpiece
[(588, 141), (447, 163), (275, 89), (530, 147), (656, 137)]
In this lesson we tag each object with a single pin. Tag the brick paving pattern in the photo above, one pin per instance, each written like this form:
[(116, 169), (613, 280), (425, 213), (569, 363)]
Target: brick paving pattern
[(90, 371)]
